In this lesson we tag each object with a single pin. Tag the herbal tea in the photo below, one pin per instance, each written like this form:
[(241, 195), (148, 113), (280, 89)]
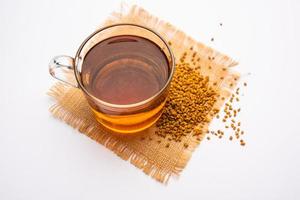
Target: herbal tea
[(125, 70)]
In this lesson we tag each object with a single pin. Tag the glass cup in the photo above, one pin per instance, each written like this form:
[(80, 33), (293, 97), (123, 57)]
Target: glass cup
[(120, 118)]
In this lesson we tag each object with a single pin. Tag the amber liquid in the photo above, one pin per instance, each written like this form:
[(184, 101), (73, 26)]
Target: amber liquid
[(125, 70)]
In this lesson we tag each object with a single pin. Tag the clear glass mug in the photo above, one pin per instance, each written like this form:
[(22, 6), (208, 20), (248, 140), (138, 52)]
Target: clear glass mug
[(121, 118)]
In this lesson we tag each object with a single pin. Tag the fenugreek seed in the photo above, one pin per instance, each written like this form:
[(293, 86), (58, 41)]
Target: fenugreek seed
[(170, 43), (242, 142)]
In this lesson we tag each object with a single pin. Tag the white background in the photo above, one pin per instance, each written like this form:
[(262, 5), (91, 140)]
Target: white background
[(43, 158)]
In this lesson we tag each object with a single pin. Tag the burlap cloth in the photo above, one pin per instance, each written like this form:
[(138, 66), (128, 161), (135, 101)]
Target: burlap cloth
[(148, 155)]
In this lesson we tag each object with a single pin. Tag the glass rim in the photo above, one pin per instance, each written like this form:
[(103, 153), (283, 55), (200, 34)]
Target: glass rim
[(158, 93)]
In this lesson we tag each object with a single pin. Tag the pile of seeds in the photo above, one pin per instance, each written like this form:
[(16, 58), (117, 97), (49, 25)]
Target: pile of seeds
[(189, 103)]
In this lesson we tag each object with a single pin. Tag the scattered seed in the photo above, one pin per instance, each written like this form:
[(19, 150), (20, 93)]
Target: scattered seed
[(230, 114), (242, 143)]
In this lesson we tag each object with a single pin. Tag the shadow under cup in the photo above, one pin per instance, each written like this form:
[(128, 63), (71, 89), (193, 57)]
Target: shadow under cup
[(125, 72)]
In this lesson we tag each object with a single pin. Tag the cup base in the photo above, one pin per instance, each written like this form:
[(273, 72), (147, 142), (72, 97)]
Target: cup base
[(127, 129)]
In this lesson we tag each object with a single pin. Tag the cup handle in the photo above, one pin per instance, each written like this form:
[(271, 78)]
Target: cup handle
[(62, 68)]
